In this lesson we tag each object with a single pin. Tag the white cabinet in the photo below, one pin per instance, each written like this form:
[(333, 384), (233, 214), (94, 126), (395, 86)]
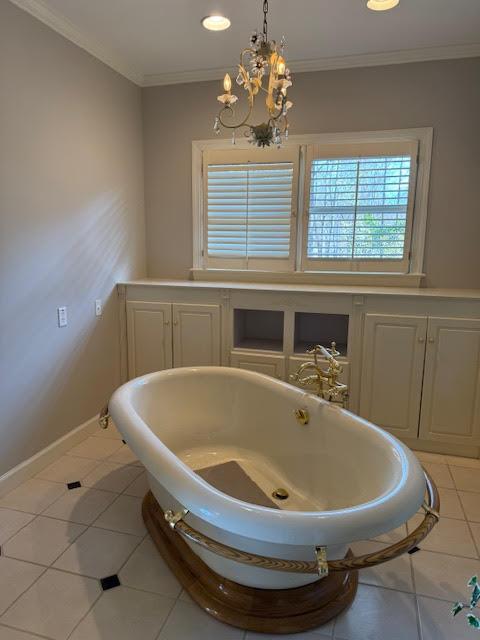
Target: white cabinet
[(196, 335), (421, 377), (271, 365), (161, 335), (451, 390), (149, 337), (392, 371), (411, 360)]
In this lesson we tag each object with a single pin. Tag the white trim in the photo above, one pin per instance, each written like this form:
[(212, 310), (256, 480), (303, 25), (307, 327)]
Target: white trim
[(425, 54), (28, 468), (424, 136), (310, 277), (64, 27)]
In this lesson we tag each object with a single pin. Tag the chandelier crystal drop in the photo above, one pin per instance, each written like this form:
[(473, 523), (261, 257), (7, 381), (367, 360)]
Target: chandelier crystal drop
[(262, 70)]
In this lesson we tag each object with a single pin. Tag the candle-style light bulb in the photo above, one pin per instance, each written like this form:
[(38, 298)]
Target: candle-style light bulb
[(227, 83), (281, 68)]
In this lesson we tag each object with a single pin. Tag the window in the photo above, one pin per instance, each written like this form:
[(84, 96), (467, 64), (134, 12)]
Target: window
[(250, 198), (360, 206), (363, 198)]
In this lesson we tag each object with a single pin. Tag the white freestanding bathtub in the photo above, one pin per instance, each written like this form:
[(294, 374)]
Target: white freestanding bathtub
[(346, 478)]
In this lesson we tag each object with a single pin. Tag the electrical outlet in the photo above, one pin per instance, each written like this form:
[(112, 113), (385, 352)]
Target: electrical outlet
[(98, 307), (62, 316)]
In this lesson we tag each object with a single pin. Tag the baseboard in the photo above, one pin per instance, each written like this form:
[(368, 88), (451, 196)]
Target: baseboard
[(43, 458)]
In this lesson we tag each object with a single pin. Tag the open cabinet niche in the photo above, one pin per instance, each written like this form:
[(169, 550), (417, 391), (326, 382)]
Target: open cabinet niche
[(320, 328), (258, 329)]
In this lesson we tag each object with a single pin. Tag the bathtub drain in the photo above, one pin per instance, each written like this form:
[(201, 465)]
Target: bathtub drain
[(280, 494)]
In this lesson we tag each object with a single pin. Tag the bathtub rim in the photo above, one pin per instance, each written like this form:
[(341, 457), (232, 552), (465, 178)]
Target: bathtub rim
[(340, 526)]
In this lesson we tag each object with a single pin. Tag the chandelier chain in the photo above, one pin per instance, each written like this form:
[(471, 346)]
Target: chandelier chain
[(265, 26)]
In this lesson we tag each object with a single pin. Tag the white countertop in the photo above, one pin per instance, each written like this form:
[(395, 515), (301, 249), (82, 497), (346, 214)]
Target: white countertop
[(465, 294)]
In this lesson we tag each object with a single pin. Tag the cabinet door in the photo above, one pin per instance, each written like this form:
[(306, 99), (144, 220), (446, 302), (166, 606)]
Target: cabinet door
[(196, 335), (271, 365), (149, 337), (451, 387), (392, 371)]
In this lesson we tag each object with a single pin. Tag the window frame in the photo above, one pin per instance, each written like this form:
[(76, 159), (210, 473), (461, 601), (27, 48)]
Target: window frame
[(301, 271)]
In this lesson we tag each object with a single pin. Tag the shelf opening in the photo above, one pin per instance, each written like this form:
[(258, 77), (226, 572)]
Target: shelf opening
[(258, 329), (320, 328)]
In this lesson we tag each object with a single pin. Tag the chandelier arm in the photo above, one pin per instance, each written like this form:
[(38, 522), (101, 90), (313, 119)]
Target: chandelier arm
[(243, 123)]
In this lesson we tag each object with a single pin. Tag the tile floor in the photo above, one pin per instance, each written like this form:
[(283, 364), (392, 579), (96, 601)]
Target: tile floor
[(58, 543)]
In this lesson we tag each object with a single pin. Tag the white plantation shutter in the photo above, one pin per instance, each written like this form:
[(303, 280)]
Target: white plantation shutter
[(249, 209), (360, 207)]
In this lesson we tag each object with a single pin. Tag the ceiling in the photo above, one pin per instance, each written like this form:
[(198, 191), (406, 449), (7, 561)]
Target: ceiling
[(163, 42)]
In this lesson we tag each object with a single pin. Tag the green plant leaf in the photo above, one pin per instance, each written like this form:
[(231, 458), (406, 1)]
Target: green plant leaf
[(457, 607), (473, 581), (473, 621), (475, 596)]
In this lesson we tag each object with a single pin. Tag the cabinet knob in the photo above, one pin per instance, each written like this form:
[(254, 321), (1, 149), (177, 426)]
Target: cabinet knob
[(167, 322), (421, 339), (175, 322), (431, 339)]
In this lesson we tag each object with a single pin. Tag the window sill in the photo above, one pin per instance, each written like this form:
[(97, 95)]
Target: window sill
[(309, 277)]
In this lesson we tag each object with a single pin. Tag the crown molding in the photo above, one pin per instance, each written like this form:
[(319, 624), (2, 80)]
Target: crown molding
[(64, 27), (329, 64)]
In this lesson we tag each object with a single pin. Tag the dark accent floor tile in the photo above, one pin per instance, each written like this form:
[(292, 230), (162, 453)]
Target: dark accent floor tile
[(110, 582), (74, 485), (414, 550)]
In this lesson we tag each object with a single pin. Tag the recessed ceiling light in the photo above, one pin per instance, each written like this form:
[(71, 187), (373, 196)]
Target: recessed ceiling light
[(382, 5), (216, 23)]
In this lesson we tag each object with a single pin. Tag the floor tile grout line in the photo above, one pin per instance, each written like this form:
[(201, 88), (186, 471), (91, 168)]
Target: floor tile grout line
[(417, 608), (35, 516), (61, 552), (50, 566), (476, 546), (37, 475), (126, 586), (97, 599), (33, 633), (157, 637), (45, 569), (419, 619)]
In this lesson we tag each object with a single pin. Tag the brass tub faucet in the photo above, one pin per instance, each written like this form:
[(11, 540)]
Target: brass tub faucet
[(325, 381)]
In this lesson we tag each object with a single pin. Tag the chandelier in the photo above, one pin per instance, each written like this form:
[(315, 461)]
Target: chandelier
[(262, 70)]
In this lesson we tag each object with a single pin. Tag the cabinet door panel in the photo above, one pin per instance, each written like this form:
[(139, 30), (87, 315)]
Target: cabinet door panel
[(392, 371), (271, 365), (149, 337), (451, 390), (196, 335)]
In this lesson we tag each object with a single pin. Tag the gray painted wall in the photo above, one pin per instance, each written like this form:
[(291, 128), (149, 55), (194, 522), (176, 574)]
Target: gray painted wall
[(71, 226), (444, 95)]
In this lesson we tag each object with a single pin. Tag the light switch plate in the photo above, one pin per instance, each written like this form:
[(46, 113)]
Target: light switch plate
[(62, 316), (98, 307)]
